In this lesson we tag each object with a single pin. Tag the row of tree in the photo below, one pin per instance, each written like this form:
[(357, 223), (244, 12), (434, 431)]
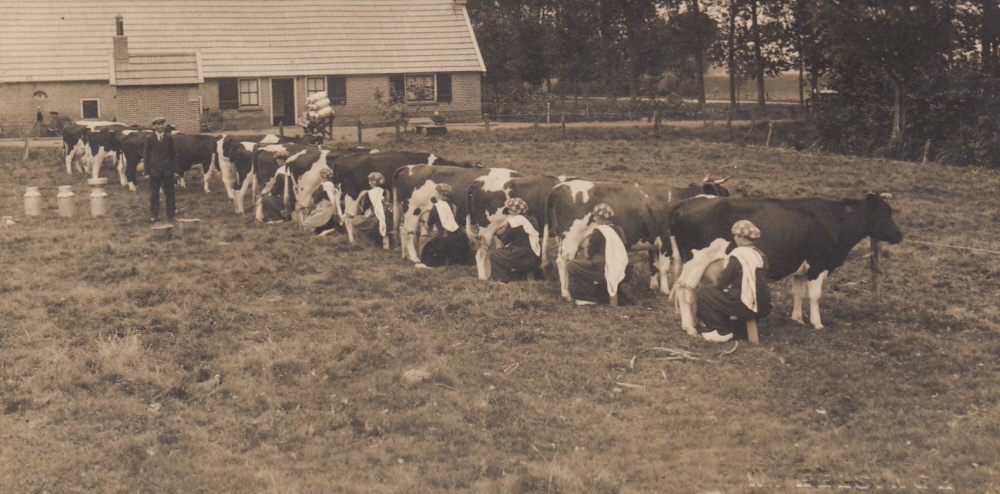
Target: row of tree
[(911, 77)]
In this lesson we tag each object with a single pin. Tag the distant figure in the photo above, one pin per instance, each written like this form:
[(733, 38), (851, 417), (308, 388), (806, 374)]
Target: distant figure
[(741, 291), (438, 119), (160, 157)]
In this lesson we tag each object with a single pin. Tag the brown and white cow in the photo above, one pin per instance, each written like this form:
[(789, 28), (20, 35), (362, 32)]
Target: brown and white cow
[(350, 175), (487, 199), (642, 211), (414, 188)]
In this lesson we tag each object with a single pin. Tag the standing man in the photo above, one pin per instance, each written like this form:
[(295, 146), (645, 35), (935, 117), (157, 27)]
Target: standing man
[(160, 157)]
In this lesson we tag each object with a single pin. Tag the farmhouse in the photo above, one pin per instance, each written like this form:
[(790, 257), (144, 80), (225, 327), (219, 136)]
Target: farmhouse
[(256, 60)]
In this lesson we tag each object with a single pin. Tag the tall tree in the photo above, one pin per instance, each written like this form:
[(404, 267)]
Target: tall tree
[(636, 34), (906, 43)]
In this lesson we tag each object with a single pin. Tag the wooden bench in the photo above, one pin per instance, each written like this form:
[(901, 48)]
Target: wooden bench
[(430, 129)]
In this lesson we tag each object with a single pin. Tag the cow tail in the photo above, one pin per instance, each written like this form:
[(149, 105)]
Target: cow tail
[(547, 216)]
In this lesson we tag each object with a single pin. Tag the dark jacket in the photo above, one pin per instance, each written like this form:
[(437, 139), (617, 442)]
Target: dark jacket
[(160, 156)]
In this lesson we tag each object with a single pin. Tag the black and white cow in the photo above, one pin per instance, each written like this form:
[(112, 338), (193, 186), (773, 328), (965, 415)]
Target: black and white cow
[(414, 187), (486, 200), (806, 238), (102, 144), (74, 143), (234, 154), (272, 166), (196, 150), (642, 211)]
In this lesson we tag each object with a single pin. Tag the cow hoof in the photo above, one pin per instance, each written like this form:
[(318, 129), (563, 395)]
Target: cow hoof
[(798, 321), (818, 327), (132, 187)]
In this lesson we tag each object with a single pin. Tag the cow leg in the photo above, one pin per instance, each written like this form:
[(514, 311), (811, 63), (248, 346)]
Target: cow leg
[(561, 266), (69, 161), (799, 290), (241, 194), (663, 265), (350, 210), (411, 246), (206, 173), (815, 288), (180, 181), (121, 162)]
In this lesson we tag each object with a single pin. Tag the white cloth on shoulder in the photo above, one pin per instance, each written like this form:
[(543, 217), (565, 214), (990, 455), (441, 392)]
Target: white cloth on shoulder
[(376, 195), (751, 261), (615, 258), (520, 221), (447, 217)]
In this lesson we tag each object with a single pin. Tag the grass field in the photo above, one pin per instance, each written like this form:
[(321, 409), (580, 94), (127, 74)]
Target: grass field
[(259, 358)]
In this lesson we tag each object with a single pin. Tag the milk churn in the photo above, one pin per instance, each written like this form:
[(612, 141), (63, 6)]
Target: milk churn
[(32, 201), (65, 200), (98, 197)]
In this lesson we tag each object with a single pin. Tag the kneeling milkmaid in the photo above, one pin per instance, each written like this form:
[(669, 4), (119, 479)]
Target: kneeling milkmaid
[(741, 293), (520, 252), (597, 278)]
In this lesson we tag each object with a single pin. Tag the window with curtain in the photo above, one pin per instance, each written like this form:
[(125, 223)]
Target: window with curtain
[(229, 94)]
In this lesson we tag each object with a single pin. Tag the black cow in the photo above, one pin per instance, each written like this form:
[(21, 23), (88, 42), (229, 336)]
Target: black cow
[(196, 150), (806, 238)]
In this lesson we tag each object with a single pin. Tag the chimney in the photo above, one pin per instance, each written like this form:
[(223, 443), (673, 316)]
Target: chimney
[(120, 40)]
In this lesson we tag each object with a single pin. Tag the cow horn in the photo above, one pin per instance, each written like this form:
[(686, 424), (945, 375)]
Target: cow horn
[(885, 195), (722, 180), (706, 178)]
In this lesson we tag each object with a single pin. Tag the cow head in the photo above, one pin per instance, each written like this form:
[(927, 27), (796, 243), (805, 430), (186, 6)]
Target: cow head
[(881, 225), (714, 187)]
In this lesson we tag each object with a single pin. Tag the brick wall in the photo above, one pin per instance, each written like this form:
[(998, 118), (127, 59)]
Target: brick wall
[(139, 105), (18, 106)]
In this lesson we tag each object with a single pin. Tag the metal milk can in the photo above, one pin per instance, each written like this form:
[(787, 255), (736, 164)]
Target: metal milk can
[(65, 200), (32, 201)]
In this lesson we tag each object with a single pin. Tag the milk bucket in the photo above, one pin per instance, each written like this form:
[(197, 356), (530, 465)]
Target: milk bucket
[(98, 197), (65, 200), (162, 231), (32, 201), (187, 226)]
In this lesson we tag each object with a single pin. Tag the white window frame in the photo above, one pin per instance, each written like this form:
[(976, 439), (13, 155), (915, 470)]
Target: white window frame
[(255, 93), (322, 81), (410, 79), (98, 101)]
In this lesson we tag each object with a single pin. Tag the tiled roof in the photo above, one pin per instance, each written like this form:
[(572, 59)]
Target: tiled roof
[(62, 40), (147, 70)]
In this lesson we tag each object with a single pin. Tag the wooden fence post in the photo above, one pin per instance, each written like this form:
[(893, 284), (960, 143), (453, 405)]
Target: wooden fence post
[(562, 120), (359, 131), (656, 123), (548, 113), (876, 271), (486, 120)]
